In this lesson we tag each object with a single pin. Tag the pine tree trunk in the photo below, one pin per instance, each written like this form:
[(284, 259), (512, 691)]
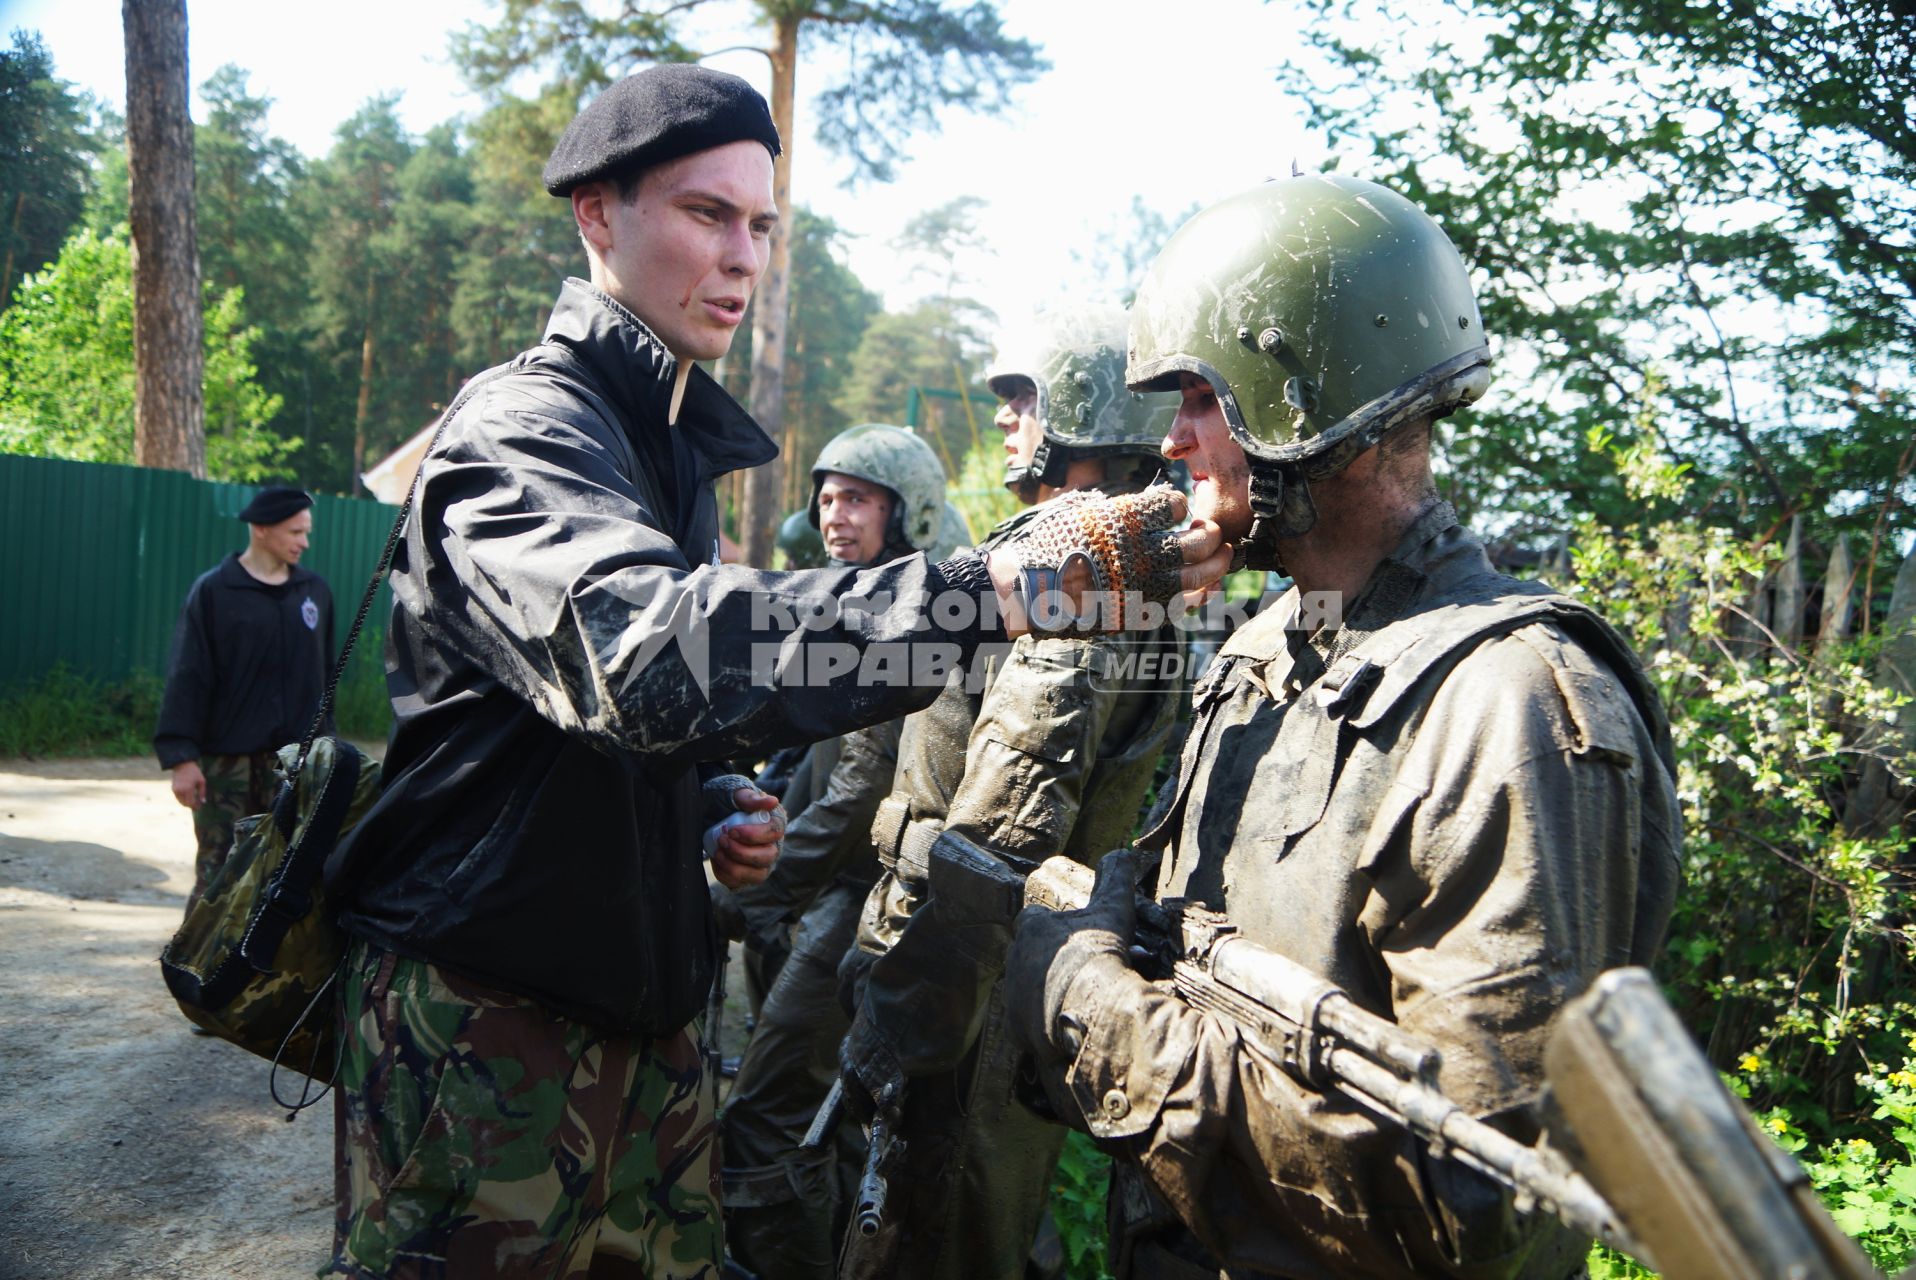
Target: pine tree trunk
[(6, 276), (759, 511), (363, 412), (169, 423)]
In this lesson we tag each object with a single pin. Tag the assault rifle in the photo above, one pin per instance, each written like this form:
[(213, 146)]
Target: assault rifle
[(873, 1185), (1660, 1160)]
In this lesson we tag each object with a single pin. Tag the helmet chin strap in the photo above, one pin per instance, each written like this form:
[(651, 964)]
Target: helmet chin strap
[(1281, 507)]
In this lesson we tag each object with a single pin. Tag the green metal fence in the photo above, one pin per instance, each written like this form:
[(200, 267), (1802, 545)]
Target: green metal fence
[(95, 560)]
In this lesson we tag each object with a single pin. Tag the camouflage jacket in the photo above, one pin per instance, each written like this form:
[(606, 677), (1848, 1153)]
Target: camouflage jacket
[(1460, 807), (1051, 753), (565, 652)]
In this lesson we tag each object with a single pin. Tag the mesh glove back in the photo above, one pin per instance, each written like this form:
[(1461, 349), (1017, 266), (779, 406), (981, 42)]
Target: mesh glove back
[(1128, 542)]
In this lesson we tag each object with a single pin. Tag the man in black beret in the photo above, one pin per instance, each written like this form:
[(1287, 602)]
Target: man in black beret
[(250, 655), (522, 1091)]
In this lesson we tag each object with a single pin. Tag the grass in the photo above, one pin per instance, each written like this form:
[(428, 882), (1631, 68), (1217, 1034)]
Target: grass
[(64, 713)]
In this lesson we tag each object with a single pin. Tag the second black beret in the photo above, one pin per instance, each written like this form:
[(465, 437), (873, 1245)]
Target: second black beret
[(276, 503), (660, 114)]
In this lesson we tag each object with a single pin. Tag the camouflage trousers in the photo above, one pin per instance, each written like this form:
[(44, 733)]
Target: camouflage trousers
[(236, 786), (478, 1134)]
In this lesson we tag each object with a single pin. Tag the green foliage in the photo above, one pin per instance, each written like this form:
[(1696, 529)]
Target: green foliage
[(63, 713), (361, 708), (904, 62), (45, 146), (931, 347), (1790, 948), (1722, 193), (1077, 1206), (979, 488), (66, 368)]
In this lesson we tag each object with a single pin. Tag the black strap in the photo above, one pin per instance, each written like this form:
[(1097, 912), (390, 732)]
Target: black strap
[(385, 563), (289, 894), (306, 1096)]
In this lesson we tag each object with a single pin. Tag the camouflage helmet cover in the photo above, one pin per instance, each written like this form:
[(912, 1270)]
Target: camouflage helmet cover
[(1075, 357), (800, 542), (898, 459), (1323, 310)]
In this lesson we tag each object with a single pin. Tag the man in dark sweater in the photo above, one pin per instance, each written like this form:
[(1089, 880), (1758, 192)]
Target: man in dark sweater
[(249, 661)]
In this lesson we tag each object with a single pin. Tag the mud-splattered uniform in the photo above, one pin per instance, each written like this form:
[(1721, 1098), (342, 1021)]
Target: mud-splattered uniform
[(1053, 755), (780, 1201), (1459, 807)]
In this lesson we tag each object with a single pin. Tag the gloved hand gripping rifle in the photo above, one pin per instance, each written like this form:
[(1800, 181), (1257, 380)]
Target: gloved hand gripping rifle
[(1325, 1040)]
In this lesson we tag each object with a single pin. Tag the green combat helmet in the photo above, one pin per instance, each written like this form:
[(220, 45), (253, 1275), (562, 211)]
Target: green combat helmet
[(899, 460), (1075, 358), (800, 542), (1324, 311)]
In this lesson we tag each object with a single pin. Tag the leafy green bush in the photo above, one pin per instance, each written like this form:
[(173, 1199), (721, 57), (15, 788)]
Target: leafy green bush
[(1077, 1206), (1790, 948), (63, 713), (66, 368)]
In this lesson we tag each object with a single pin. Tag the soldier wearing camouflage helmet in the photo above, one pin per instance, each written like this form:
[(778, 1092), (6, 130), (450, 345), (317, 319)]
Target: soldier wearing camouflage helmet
[(878, 492), (896, 460), (1446, 791), (1069, 421), (1053, 754)]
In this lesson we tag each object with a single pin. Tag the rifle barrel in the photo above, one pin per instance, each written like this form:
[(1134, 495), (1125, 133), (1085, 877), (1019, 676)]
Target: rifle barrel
[(1529, 1171)]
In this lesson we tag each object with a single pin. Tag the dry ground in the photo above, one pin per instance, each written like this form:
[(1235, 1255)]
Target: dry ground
[(130, 1147)]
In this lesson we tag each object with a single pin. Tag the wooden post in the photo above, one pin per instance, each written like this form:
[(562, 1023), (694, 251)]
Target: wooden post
[(1787, 596), (1877, 804), (1839, 586)]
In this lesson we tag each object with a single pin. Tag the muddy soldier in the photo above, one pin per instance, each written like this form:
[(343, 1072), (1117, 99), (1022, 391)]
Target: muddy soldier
[(522, 1092), (1447, 791), (250, 655), (1052, 756), (878, 492)]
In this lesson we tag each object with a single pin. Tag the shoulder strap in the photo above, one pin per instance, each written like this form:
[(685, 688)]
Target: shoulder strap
[(385, 563), (289, 894)]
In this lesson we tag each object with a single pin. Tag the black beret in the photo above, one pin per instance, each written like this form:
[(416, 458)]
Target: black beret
[(660, 114), (276, 503)]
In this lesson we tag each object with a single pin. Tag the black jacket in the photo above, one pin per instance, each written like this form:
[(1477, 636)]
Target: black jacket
[(249, 662), (553, 599)]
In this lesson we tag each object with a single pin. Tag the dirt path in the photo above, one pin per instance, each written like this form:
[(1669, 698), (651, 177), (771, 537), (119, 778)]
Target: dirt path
[(128, 1146)]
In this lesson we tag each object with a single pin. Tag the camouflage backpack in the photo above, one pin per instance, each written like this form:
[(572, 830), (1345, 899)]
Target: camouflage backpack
[(257, 958), (257, 954)]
